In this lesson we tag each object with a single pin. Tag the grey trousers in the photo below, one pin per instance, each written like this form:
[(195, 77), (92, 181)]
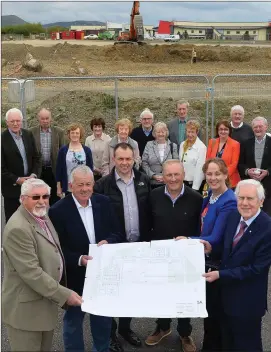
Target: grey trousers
[(23, 340)]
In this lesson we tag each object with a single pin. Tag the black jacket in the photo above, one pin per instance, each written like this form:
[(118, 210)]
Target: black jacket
[(180, 219), (139, 136), (107, 185), (12, 166)]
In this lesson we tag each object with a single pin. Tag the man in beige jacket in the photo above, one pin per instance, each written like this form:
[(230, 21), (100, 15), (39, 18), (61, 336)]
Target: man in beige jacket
[(34, 272)]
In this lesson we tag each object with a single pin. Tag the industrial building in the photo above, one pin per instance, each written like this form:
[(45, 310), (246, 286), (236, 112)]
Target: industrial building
[(217, 30)]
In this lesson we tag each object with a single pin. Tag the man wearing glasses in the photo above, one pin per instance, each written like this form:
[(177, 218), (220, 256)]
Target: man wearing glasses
[(20, 160), (34, 272)]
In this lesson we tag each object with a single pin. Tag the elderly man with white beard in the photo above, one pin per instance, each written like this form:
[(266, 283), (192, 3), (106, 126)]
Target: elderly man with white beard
[(34, 272)]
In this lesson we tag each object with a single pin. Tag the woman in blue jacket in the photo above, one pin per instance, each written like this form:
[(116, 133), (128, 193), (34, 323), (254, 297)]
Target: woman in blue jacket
[(70, 156), (216, 207)]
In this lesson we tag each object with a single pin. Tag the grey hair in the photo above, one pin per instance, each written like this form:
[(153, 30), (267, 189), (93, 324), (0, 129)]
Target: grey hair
[(14, 110), (31, 183), (172, 161), (251, 182), (238, 107), (44, 109), (160, 125), (146, 112), (181, 102), (259, 118), (82, 169)]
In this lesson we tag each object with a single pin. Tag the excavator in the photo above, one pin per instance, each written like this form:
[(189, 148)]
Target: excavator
[(136, 33)]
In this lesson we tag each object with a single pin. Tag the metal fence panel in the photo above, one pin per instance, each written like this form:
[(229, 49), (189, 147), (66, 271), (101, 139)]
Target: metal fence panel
[(82, 98), (252, 91)]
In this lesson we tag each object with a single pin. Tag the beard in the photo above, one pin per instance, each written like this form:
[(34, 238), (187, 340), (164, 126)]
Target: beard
[(40, 212)]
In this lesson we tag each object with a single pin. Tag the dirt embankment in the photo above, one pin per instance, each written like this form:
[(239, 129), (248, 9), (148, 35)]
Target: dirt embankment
[(132, 59)]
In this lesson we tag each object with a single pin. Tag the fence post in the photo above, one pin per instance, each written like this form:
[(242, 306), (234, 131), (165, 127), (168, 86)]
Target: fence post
[(213, 107), (116, 98), (22, 103)]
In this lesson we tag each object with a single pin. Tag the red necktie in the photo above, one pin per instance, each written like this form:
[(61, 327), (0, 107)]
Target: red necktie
[(239, 234)]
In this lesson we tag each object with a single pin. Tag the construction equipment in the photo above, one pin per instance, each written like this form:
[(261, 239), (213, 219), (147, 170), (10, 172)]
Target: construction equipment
[(136, 33)]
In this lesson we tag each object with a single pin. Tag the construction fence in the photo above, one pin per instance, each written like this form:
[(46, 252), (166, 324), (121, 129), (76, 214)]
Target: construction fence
[(82, 98)]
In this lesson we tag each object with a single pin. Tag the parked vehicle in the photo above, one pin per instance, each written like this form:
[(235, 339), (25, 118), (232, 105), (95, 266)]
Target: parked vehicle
[(172, 38), (91, 36)]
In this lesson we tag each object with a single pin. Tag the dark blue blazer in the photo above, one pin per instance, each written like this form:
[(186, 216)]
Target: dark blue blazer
[(244, 269), (73, 236), (61, 167), (216, 218)]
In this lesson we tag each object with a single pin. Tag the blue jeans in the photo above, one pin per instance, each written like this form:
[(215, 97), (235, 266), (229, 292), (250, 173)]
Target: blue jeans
[(73, 331)]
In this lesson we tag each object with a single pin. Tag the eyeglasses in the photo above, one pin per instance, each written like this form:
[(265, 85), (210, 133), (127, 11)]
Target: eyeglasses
[(44, 196), (15, 122)]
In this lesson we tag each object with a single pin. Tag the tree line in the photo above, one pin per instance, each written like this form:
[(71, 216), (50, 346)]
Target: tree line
[(30, 28)]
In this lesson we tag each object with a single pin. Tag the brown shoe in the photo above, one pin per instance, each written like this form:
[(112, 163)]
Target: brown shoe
[(157, 336), (188, 344)]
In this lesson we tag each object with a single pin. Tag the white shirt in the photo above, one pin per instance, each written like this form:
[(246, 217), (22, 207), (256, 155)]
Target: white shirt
[(248, 222), (86, 215), (193, 162), (241, 124), (161, 150)]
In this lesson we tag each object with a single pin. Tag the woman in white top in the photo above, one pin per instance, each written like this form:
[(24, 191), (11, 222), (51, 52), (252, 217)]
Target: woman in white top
[(192, 154), (97, 142), (157, 152)]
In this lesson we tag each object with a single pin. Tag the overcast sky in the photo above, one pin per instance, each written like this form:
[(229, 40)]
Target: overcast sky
[(152, 12)]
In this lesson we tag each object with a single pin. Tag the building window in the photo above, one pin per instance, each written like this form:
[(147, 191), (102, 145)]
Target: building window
[(237, 32), (192, 31), (200, 31), (228, 32), (254, 32)]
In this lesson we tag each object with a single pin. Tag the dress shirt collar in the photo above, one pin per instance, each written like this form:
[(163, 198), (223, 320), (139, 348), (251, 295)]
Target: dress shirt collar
[(117, 176), (249, 221), (241, 124), (147, 132), (92, 137), (183, 121), (179, 195), (260, 140), (78, 205), (39, 219), (14, 135), (119, 141), (48, 130)]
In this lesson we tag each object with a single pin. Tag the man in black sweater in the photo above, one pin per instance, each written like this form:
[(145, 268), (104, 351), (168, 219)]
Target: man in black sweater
[(143, 133), (176, 211), (241, 131)]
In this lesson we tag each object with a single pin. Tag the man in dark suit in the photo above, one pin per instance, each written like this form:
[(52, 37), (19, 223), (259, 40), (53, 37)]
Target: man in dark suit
[(128, 190), (176, 212), (49, 139), (243, 273), (20, 160), (82, 218), (255, 159), (143, 134)]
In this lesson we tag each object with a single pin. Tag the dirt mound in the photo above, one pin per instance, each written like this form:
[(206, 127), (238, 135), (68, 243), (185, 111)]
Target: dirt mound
[(134, 53)]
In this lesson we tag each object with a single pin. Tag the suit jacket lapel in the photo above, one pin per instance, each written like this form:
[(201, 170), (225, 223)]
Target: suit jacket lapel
[(34, 223), (12, 144), (267, 150), (36, 133), (156, 151), (167, 151), (229, 238), (96, 216), (250, 231), (77, 218)]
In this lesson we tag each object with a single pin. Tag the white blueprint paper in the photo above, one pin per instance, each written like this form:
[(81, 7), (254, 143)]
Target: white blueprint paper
[(160, 279)]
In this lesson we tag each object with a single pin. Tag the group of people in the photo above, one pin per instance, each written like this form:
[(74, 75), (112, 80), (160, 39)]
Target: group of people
[(144, 184)]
